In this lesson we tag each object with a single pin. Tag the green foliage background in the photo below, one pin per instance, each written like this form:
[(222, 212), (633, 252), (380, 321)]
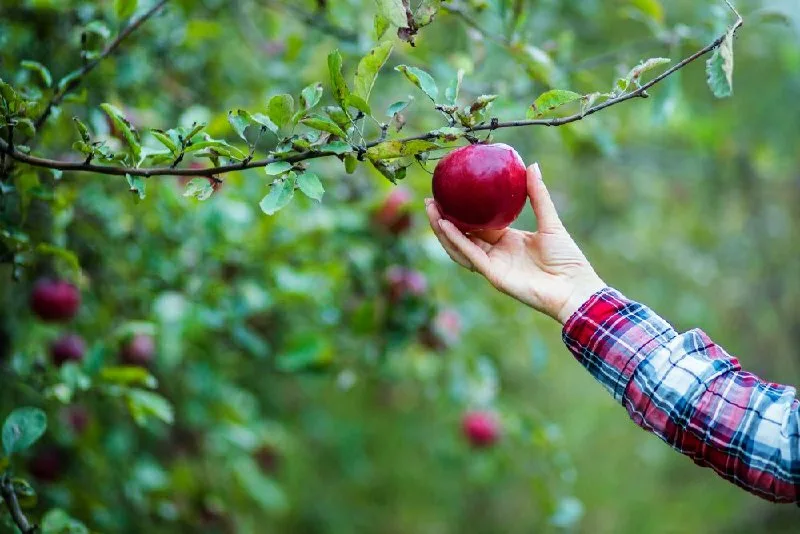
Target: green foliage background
[(275, 332)]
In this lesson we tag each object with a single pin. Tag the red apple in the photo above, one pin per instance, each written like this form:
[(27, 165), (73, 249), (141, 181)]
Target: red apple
[(394, 214), (403, 281), (443, 331), (480, 187), (55, 300), (68, 348), (268, 459), (482, 429), (139, 350), (48, 464), (76, 417)]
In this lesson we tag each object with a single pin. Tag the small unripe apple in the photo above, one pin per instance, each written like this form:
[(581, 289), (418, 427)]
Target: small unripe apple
[(139, 350), (394, 214), (405, 282), (68, 348), (48, 464), (482, 429), (55, 300), (480, 187)]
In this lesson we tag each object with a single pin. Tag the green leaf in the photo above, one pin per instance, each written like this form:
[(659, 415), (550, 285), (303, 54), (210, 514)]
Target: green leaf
[(336, 147), (25, 127), (448, 133), (350, 163), (41, 70), (368, 68), (26, 495), (397, 107), (137, 185), (144, 405), (57, 521), (199, 188), (309, 183), (263, 120), (67, 256), (338, 116), (421, 79), (426, 12), (637, 71), (8, 93), (451, 93), (129, 376), (264, 491), (67, 81), (719, 68), (281, 193), (381, 24), (165, 140), (280, 109), (125, 128), (311, 95), (125, 8), (239, 121), (277, 168), (324, 124), (394, 12), (22, 428), (359, 103), (651, 8), (482, 102), (340, 89), (397, 149), (551, 100)]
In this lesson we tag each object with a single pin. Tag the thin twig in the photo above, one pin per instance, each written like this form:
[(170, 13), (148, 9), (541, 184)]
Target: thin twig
[(10, 498), (88, 67), (640, 92)]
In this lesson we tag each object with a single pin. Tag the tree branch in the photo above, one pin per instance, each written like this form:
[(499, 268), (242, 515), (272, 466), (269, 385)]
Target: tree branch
[(10, 498), (640, 92), (88, 67)]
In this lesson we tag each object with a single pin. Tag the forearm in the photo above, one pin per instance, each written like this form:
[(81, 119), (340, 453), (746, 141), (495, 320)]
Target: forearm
[(691, 393)]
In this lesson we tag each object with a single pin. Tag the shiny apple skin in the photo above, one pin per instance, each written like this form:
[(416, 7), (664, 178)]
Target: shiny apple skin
[(480, 187)]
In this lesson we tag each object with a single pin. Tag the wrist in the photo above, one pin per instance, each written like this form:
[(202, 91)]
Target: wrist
[(583, 288)]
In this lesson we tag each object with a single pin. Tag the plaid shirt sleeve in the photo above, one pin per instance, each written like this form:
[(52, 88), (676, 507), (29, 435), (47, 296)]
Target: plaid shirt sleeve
[(692, 394)]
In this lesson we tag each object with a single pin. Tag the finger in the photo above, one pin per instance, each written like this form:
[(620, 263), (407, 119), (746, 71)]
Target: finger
[(483, 245), (542, 204), (470, 250), (434, 217), (490, 236)]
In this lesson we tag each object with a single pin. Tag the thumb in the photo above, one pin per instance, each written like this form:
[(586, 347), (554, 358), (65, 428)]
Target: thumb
[(542, 204)]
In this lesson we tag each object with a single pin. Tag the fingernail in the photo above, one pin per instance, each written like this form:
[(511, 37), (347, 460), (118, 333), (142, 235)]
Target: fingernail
[(538, 171), (442, 223)]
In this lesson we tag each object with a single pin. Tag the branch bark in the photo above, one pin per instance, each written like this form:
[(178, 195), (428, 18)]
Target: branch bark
[(10, 498), (640, 92), (88, 67)]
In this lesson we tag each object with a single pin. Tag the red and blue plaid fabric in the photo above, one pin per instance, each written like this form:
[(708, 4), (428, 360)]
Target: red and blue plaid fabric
[(692, 394)]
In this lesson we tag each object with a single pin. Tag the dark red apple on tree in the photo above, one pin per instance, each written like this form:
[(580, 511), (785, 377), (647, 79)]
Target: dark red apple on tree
[(138, 349), (405, 282), (442, 331), (55, 300), (68, 348), (394, 214), (268, 459), (48, 463), (482, 429), (480, 187), (76, 417)]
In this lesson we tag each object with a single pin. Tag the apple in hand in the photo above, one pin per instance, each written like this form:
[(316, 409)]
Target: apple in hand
[(55, 300), (480, 187)]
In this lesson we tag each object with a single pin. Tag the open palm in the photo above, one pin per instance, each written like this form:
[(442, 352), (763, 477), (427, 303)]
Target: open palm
[(544, 269)]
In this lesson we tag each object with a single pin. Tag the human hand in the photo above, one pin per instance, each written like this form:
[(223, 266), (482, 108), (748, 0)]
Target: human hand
[(544, 269)]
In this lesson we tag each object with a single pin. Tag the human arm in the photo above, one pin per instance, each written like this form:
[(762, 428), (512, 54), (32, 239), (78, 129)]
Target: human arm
[(682, 387)]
